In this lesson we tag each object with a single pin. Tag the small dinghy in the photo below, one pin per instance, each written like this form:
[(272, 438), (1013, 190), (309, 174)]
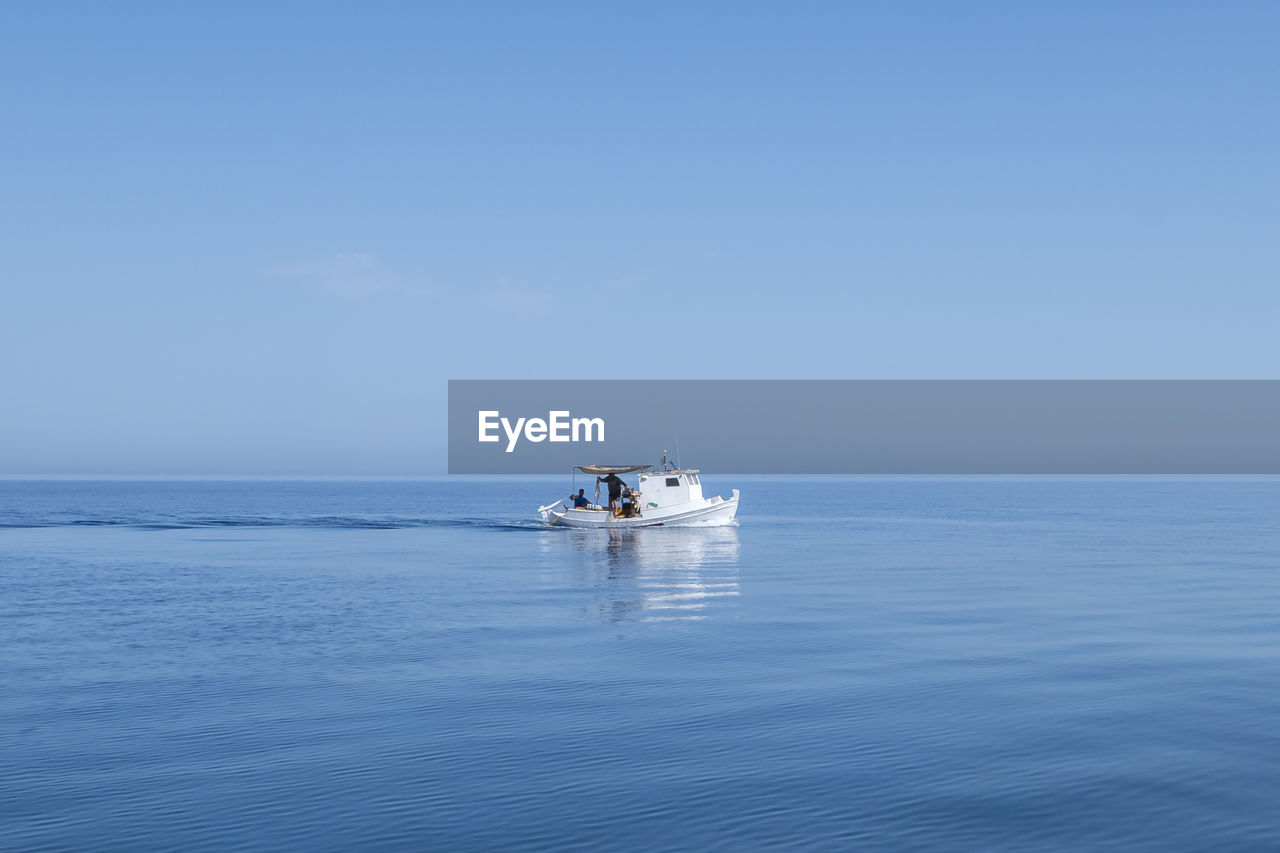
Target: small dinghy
[(665, 495)]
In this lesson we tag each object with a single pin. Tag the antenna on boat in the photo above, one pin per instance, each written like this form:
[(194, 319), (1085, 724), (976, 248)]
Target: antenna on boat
[(678, 465)]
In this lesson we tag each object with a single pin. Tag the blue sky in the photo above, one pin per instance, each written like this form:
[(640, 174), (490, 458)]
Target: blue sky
[(260, 238)]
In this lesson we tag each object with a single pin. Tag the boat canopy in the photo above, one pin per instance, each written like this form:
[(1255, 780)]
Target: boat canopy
[(611, 469)]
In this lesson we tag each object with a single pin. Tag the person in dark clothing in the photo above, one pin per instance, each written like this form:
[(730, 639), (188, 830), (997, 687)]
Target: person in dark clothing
[(581, 499), (615, 489)]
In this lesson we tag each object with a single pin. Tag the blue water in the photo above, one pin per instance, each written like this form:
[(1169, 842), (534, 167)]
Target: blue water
[(912, 664)]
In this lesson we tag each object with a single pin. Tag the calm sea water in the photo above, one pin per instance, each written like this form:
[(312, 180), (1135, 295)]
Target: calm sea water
[(948, 664)]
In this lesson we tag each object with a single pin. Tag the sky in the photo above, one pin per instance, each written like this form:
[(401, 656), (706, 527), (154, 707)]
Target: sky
[(259, 238)]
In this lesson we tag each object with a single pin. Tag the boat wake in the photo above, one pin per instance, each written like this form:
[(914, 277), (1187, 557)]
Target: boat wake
[(328, 522)]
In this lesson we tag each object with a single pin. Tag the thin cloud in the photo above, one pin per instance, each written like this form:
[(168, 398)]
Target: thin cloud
[(357, 275), (507, 297), (346, 275)]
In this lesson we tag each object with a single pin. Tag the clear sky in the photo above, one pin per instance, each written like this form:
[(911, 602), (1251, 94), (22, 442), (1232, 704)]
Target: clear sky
[(259, 238)]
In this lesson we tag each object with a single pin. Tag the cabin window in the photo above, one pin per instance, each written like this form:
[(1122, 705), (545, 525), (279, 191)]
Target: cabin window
[(673, 481)]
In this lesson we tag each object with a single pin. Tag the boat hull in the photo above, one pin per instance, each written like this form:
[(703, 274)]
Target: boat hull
[(707, 512)]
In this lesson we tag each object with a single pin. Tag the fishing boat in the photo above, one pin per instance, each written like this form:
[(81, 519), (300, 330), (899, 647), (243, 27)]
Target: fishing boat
[(665, 495)]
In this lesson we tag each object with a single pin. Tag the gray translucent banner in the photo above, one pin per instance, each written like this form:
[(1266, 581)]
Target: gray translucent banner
[(869, 427)]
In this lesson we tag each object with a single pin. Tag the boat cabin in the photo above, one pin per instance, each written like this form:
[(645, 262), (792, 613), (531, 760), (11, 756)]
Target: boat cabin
[(668, 488)]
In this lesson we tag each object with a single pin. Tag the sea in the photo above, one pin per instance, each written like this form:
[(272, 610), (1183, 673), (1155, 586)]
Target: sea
[(987, 664)]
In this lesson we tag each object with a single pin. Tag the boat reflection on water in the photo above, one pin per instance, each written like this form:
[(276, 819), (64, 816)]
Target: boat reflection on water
[(651, 575)]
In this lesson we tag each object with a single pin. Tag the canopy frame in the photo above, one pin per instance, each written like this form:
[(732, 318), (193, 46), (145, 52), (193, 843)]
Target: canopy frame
[(610, 469)]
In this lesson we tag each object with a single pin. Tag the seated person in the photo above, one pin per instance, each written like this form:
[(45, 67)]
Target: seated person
[(581, 500)]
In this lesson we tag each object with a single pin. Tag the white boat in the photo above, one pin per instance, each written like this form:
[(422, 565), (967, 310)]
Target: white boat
[(666, 495)]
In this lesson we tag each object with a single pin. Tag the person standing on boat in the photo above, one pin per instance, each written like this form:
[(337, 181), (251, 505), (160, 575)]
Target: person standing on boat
[(615, 489)]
